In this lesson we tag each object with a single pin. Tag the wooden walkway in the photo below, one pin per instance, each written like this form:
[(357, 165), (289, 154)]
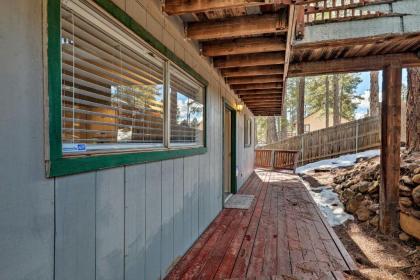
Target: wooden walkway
[(282, 236)]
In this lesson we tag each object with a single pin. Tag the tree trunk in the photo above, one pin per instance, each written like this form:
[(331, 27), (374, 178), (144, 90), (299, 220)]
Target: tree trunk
[(374, 94), (301, 107), (327, 101), (271, 130), (284, 126), (413, 109), (336, 104)]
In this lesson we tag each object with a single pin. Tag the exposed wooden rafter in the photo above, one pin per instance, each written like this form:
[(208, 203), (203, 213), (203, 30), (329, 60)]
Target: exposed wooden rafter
[(252, 71), (243, 60), (356, 64), (254, 80), (243, 46), (257, 86), (179, 7), (259, 92), (237, 26)]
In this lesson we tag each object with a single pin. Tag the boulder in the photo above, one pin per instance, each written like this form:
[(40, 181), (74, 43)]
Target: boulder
[(415, 213), (374, 187), (347, 194), (417, 170), (406, 180), (406, 202), (404, 236), (416, 179), (362, 214), (404, 190), (416, 195), (374, 207), (352, 205), (359, 196), (374, 221), (364, 186)]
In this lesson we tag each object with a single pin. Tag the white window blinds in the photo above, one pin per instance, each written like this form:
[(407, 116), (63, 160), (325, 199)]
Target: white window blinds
[(187, 110), (112, 94)]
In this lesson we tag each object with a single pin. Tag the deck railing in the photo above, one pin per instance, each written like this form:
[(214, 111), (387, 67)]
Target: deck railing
[(329, 142), (276, 159)]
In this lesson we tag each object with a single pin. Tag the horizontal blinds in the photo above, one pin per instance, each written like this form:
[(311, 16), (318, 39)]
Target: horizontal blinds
[(187, 109), (111, 94)]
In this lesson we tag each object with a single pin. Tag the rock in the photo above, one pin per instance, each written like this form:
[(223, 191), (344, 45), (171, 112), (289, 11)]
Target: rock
[(363, 186), (359, 196), (362, 214), (415, 213), (404, 236), (406, 180), (406, 202), (346, 195), (354, 187), (374, 221), (374, 207), (416, 195), (352, 205), (404, 190), (374, 187), (416, 179), (417, 170)]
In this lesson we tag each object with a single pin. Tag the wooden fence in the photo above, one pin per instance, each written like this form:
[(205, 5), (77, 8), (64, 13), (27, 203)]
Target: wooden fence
[(276, 159), (329, 142)]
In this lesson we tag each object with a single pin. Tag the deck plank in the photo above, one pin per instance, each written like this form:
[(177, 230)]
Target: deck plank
[(282, 236)]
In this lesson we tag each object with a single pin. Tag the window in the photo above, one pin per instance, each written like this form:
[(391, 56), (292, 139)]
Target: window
[(247, 131), (307, 128), (187, 109), (117, 96)]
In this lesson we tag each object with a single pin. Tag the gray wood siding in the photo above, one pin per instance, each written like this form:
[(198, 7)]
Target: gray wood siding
[(129, 222)]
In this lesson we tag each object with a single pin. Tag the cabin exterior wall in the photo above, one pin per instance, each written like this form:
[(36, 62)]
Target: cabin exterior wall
[(128, 222)]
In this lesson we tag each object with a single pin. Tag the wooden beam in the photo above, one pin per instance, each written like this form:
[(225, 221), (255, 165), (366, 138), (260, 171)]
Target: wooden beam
[(237, 26), (258, 92), (390, 149), (252, 71), (242, 46), (254, 80), (257, 86), (300, 22), (265, 99), (180, 7), (260, 97), (243, 60), (357, 64)]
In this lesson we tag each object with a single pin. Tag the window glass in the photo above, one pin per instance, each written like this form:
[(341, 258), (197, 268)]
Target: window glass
[(247, 131), (112, 95), (186, 110)]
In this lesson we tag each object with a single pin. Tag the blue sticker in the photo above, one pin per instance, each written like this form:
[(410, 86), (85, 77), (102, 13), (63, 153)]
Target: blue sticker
[(68, 148)]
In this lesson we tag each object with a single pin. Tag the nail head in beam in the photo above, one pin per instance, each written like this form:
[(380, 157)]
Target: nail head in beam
[(238, 26), (242, 46), (244, 60)]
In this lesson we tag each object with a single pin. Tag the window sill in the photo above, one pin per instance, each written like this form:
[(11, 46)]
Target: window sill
[(74, 165)]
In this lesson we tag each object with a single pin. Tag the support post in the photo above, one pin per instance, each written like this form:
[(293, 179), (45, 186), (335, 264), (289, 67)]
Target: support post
[(390, 149)]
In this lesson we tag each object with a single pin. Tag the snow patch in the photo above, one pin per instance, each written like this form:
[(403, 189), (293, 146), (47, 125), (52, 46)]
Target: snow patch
[(329, 204), (342, 161)]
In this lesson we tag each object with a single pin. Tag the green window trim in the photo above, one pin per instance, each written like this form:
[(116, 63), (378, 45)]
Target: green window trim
[(57, 165)]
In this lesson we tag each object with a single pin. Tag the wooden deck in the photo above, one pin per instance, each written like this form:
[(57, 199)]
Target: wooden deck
[(282, 236)]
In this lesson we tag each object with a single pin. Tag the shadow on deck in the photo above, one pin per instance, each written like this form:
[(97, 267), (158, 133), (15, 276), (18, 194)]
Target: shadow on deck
[(282, 236)]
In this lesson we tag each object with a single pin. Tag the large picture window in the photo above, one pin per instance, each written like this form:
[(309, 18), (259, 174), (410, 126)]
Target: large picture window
[(113, 92), (116, 94)]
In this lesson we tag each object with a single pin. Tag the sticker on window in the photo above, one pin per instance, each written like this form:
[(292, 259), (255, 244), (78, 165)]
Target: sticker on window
[(68, 148)]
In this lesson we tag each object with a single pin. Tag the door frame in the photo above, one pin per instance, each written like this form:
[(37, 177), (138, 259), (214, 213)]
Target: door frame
[(233, 179)]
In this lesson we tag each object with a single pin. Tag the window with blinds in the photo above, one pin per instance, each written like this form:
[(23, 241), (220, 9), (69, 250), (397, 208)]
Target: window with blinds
[(113, 90), (186, 109)]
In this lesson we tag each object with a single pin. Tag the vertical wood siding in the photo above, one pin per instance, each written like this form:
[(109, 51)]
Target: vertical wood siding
[(124, 223)]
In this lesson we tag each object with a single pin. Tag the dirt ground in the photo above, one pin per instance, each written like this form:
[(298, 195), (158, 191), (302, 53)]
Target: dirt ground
[(377, 256)]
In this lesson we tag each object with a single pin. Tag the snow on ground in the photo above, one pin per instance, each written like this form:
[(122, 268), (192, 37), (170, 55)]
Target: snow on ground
[(329, 204), (342, 161), (324, 196)]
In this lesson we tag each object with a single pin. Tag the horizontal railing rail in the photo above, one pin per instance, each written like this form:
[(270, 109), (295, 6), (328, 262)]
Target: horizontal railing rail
[(276, 159)]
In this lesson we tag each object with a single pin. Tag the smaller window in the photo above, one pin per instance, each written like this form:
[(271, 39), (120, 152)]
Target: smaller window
[(247, 132), (307, 128)]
